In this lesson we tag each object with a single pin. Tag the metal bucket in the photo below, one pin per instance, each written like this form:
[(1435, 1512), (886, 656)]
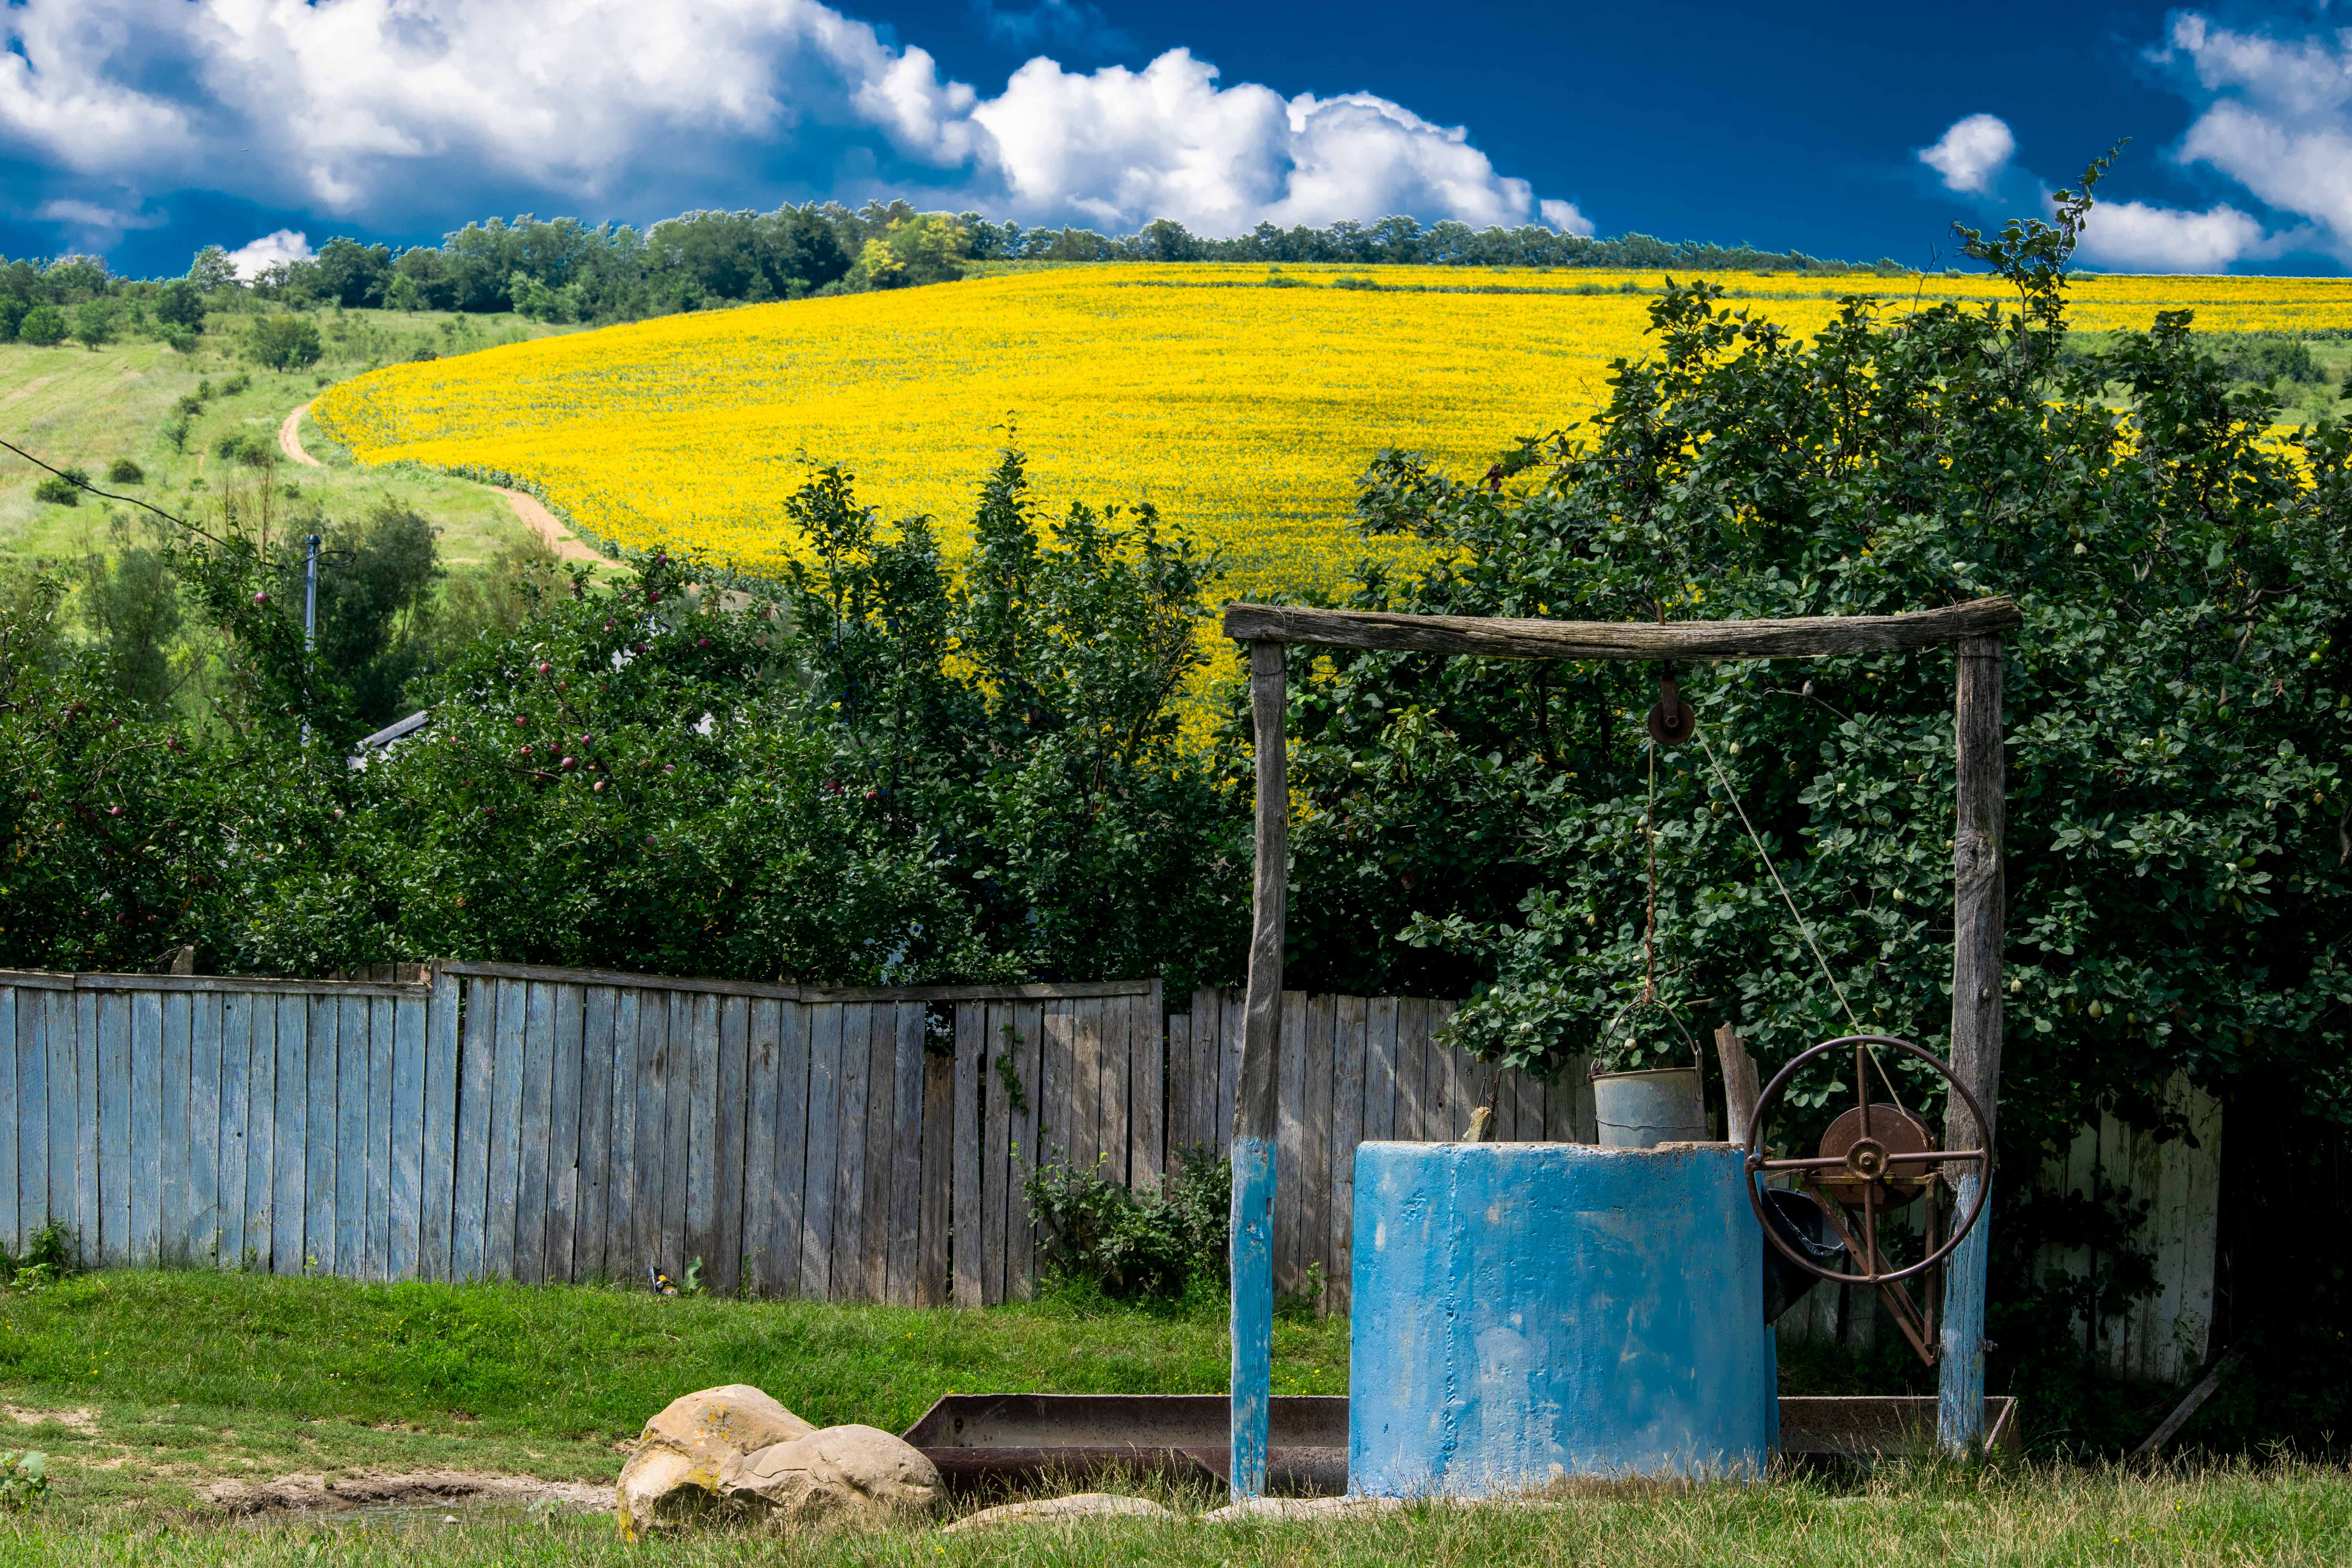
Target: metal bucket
[(1644, 1109)]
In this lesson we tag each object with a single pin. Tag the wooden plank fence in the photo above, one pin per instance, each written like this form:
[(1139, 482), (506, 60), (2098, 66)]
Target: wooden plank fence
[(2161, 1337), (1352, 1068), (509, 1121)]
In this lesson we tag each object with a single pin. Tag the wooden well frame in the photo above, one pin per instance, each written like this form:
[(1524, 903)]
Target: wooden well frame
[(1975, 629)]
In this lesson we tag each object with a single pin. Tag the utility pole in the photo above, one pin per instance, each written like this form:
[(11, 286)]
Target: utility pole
[(310, 623)]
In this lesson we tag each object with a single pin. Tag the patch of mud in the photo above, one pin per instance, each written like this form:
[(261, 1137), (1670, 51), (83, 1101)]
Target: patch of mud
[(310, 1494), (82, 1421)]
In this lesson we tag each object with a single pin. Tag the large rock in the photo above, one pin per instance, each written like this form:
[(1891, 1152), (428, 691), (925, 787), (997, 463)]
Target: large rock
[(675, 1471), (852, 1475)]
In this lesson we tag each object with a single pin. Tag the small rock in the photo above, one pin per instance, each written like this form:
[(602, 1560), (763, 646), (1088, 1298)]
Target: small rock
[(1078, 1505), (855, 1474), (674, 1471), (1291, 1509)]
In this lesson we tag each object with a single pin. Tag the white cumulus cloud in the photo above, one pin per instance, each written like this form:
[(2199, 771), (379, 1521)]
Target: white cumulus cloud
[(1972, 154), (254, 257), (2134, 237), (1564, 216), (401, 111), (2278, 120)]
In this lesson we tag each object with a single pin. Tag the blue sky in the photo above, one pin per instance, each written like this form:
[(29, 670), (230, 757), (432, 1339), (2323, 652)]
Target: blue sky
[(142, 129)]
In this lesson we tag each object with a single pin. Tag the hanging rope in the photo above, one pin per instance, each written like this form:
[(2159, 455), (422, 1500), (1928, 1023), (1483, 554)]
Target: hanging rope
[(1805, 930), (1650, 850)]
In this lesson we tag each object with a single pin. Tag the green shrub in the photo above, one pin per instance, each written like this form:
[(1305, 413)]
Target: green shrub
[(284, 342), (240, 382), (23, 1480), (124, 471), (44, 326), (1158, 1244), (61, 490), (243, 447), (51, 1254), (183, 340)]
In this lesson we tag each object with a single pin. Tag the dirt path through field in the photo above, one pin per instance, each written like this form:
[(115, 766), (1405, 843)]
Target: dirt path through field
[(289, 439), (534, 516)]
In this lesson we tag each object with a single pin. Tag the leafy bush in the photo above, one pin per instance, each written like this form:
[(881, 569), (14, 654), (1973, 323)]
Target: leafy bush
[(51, 1254), (24, 1480), (59, 489), (244, 447), (93, 322), (124, 471), (180, 303), (284, 342), (181, 340), (1158, 1245), (44, 326)]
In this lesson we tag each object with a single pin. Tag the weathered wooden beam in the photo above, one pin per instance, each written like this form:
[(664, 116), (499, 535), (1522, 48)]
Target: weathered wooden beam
[(1806, 637), (1977, 912), (791, 992), (1254, 1173)]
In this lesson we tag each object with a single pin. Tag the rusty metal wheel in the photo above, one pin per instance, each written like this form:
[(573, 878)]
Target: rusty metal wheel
[(1883, 1159)]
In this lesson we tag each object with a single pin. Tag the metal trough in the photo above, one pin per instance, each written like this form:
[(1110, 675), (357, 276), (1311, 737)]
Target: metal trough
[(1881, 1427), (1008, 1439), (980, 1439)]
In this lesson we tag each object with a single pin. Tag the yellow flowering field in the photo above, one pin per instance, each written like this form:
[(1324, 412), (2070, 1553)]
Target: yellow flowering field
[(1242, 410)]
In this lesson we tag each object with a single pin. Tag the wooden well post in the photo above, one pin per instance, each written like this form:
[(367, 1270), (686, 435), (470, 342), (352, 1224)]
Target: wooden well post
[(1978, 909)]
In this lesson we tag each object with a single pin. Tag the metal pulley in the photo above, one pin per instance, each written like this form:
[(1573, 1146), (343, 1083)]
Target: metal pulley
[(1672, 722), (1874, 1160)]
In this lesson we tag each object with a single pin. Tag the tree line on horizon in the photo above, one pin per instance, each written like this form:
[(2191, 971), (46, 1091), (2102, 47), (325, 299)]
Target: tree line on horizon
[(566, 270)]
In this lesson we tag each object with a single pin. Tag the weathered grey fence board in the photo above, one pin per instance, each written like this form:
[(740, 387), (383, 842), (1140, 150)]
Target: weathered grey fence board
[(823, 1112), (997, 1134), (1028, 1047), (965, 1192), (937, 1220), (901, 1285), (849, 1144), (790, 1198)]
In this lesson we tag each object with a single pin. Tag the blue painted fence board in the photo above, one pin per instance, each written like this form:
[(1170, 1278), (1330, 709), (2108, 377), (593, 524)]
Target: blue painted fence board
[(324, 1145), (64, 1087), (234, 1152), (12, 1226), (119, 1203), (290, 1164), (440, 1127), (88, 1122), (381, 1049), (404, 1228), (200, 1233), (499, 1226), (351, 1070), (32, 1047), (477, 1062)]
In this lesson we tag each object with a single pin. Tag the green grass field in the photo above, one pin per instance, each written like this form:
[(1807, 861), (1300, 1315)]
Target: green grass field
[(78, 407), (145, 1387)]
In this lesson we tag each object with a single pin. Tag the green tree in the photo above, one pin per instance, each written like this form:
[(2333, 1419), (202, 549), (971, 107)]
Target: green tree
[(284, 342), (374, 598), (181, 303), (93, 322), (44, 326), (211, 271), (131, 602)]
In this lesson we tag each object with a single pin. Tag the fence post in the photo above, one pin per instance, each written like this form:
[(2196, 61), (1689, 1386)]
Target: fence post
[(1977, 915), (1253, 1103)]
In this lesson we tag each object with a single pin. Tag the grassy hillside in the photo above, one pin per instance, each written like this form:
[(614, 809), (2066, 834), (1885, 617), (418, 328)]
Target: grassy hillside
[(77, 407), (1242, 400)]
